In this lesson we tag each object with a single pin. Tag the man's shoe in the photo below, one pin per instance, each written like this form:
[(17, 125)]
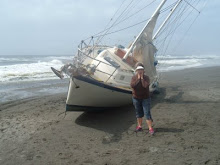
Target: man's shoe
[(151, 131), (138, 128)]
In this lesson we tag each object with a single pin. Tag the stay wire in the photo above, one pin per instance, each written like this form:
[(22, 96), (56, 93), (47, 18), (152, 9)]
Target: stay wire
[(176, 18), (176, 29), (113, 16), (139, 22), (129, 10), (184, 18), (115, 24), (125, 27), (109, 21), (101, 36), (163, 47), (172, 20), (192, 6), (180, 41), (125, 18)]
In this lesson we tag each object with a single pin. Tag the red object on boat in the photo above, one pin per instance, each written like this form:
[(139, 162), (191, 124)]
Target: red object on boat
[(130, 60)]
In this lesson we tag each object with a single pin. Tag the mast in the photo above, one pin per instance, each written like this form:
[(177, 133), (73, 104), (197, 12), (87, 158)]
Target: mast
[(140, 34), (165, 21)]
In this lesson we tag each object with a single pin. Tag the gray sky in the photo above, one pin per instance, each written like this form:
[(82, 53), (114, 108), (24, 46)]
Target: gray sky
[(55, 27)]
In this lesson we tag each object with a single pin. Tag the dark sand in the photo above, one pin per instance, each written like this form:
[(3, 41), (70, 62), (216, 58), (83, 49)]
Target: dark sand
[(186, 118)]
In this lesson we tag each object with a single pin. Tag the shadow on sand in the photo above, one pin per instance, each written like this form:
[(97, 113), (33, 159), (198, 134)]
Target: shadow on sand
[(117, 121), (114, 122), (169, 130)]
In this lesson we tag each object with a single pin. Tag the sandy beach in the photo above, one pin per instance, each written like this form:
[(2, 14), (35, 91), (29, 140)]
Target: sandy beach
[(186, 118)]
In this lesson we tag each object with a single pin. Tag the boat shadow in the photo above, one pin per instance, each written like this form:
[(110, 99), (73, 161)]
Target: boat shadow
[(113, 122), (169, 130), (116, 121)]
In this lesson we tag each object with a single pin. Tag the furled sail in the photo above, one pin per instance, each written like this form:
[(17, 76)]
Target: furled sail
[(144, 49)]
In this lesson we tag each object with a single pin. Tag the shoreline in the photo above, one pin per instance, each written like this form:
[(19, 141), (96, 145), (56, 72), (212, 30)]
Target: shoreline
[(61, 86), (186, 115), (15, 91)]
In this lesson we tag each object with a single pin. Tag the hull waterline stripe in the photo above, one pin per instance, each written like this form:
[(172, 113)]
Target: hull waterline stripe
[(87, 108), (100, 84)]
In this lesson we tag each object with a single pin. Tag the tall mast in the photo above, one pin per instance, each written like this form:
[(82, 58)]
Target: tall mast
[(165, 21), (137, 38)]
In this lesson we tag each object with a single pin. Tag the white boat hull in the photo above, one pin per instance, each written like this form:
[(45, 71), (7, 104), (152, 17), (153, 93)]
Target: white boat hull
[(87, 94)]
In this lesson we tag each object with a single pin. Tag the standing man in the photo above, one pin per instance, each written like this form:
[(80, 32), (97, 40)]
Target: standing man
[(141, 98)]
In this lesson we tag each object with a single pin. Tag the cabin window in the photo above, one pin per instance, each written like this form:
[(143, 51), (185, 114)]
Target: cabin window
[(112, 62)]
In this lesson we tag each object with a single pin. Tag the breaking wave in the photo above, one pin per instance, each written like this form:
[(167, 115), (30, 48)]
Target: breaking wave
[(29, 70), (169, 63)]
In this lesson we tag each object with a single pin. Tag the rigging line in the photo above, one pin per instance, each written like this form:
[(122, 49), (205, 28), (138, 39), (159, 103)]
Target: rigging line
[(131, 8), (131, 16), (136, 12), (118, 10), (96, 35), (122, 28), (163, 46), (101, 36), (166, 46), (180, 41), (163, 64), (175, 19), (172, 34), (126, 18), (164, 16), (170, 40), (170, 6), (119, 17), (115, 21), (192, 6), (109, 21), (179, 13), (167, 8), (163, 55), (114, 15), (127, 27), (205, 3), (168, 32), (186, 16)]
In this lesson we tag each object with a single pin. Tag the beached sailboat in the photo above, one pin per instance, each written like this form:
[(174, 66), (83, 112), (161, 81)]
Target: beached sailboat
[(100, 75)]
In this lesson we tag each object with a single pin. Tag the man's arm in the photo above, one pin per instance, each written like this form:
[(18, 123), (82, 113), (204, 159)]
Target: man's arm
[(134, 81), (145, 81)]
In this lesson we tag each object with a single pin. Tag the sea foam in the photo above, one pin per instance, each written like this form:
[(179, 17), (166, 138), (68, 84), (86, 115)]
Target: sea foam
[(169, 63), (32, 69)]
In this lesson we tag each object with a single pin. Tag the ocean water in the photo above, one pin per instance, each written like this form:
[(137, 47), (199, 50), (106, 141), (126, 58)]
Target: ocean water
[(29, 76), (29, 68), (171, 62), (23, 77)]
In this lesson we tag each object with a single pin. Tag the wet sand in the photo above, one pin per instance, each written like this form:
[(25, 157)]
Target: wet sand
[(186, 119)]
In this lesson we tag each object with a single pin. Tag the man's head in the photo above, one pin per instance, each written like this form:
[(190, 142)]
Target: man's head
[(139, 64), (139, 70)]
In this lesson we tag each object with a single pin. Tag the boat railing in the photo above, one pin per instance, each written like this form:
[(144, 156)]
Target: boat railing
[(81, 53)]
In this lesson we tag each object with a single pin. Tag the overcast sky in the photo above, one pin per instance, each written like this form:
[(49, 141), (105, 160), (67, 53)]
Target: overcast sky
[(55, 27)]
